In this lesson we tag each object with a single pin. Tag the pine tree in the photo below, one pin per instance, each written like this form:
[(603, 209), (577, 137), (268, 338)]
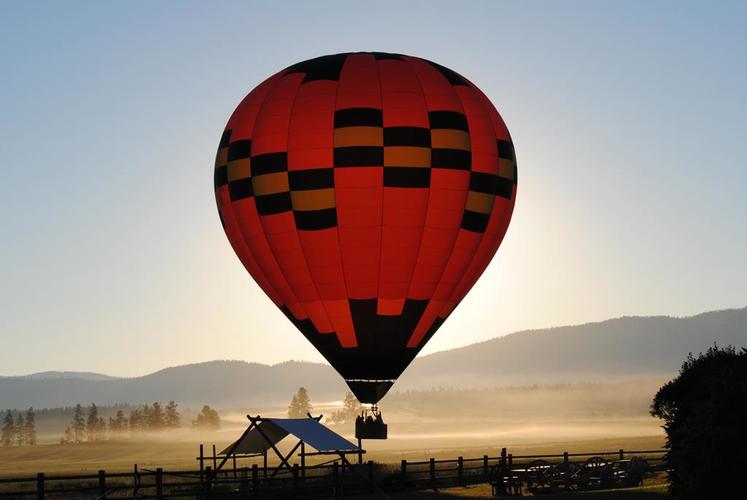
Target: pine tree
[(29, 427), (118, 424), (300, 404), (78, 424), (18, 431), (8, 430), (92, 423), (172, 419), (207, 419), (156, 419), (67, 438), (136, 420)]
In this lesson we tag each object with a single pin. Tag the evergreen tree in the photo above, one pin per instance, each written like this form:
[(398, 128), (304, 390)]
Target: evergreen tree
[(156, 418), (29, 428), (67, 438), (118, 424), (78, 424), (351, 408), (172, 418), (207, 419), (92, 423), (18, 431), (300, 404), (136, 420), (7, 434)]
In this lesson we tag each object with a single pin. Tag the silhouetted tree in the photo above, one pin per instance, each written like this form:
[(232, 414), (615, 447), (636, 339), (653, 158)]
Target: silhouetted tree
[(207, 419), (156, 417), (78, 424), (172, 418), (118, 424), (136, 420), (18, 433), (67, 437), (93, 424), (7, 433), (351, 408), (704, 415), (300, 405), (29, 428)]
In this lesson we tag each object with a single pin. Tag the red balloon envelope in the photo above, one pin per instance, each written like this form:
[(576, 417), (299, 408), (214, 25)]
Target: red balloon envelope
[(366, 193)]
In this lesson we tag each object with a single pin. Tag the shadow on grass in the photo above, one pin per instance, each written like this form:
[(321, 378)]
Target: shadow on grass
[(657, 492)]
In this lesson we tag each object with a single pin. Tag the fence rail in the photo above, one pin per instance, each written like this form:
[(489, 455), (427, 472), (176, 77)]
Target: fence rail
[(320, 480)]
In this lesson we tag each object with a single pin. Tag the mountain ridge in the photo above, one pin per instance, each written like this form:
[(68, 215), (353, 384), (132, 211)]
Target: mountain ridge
[(612, 349)]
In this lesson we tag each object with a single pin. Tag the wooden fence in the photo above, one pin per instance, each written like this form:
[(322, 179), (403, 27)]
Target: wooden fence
[(325, 480)]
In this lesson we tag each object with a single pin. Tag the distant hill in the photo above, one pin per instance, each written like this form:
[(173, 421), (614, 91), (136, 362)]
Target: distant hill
[(623, 348)]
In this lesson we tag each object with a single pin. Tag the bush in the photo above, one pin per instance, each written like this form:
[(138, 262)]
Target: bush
[(705, 419)]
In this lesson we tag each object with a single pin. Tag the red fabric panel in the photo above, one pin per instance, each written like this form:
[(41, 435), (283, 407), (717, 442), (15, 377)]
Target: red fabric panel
[(359, 190)]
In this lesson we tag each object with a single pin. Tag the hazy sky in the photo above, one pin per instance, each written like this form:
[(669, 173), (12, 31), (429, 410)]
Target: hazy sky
[(628, 120)]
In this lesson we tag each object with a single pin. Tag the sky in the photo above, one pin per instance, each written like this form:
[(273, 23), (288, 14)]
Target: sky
[(628, 120)]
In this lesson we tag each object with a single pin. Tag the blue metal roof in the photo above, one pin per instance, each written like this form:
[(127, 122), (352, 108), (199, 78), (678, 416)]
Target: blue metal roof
[(308, 430)]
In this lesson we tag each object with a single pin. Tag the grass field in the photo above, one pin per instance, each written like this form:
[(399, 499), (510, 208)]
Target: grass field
[(180, 454)]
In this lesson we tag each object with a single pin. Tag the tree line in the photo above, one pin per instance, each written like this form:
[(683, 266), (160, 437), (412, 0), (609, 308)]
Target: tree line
[(87, 425), (300, 407), (20, 431)]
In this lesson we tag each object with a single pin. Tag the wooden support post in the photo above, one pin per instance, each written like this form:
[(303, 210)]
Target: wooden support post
[(159, 483), (135, 481), (360, 451), (433, 473), (40, 486), (234, 465), (208, 480), (255, 481), (264, 473), (403, 468), (335, 474), (303, 460), (295, 476), (566, 471), (460, 471), (102, 484), (510, 460), (485, 468), (370, 470), (215, 460), (622, 454), (202, 463)]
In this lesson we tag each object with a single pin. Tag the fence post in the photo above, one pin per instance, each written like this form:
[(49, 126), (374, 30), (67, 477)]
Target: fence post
[(102, 484), (40, 486), (485, 467), (460, 471), (135, 481), (215, 461), (335, 474), (433, 473), (403, 468), (566, 470), (159, 483), (622, 454), (370, 470), (255, 481), (202, 464), (510, 460), (208, 480)]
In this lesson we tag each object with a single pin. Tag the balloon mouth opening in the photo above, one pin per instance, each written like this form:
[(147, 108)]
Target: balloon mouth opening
[(369, 391)]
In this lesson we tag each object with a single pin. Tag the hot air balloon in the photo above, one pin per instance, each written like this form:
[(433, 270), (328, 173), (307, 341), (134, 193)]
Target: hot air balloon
[(366, 193)]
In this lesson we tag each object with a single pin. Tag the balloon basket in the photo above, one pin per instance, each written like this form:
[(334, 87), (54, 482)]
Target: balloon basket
[(370, 425)]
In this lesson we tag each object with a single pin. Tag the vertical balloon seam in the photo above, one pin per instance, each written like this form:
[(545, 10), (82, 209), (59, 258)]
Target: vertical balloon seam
[(337, 228), (291, 291), (295, 232), (228, 207), (377, 331), (456, 238), (443, 268)]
